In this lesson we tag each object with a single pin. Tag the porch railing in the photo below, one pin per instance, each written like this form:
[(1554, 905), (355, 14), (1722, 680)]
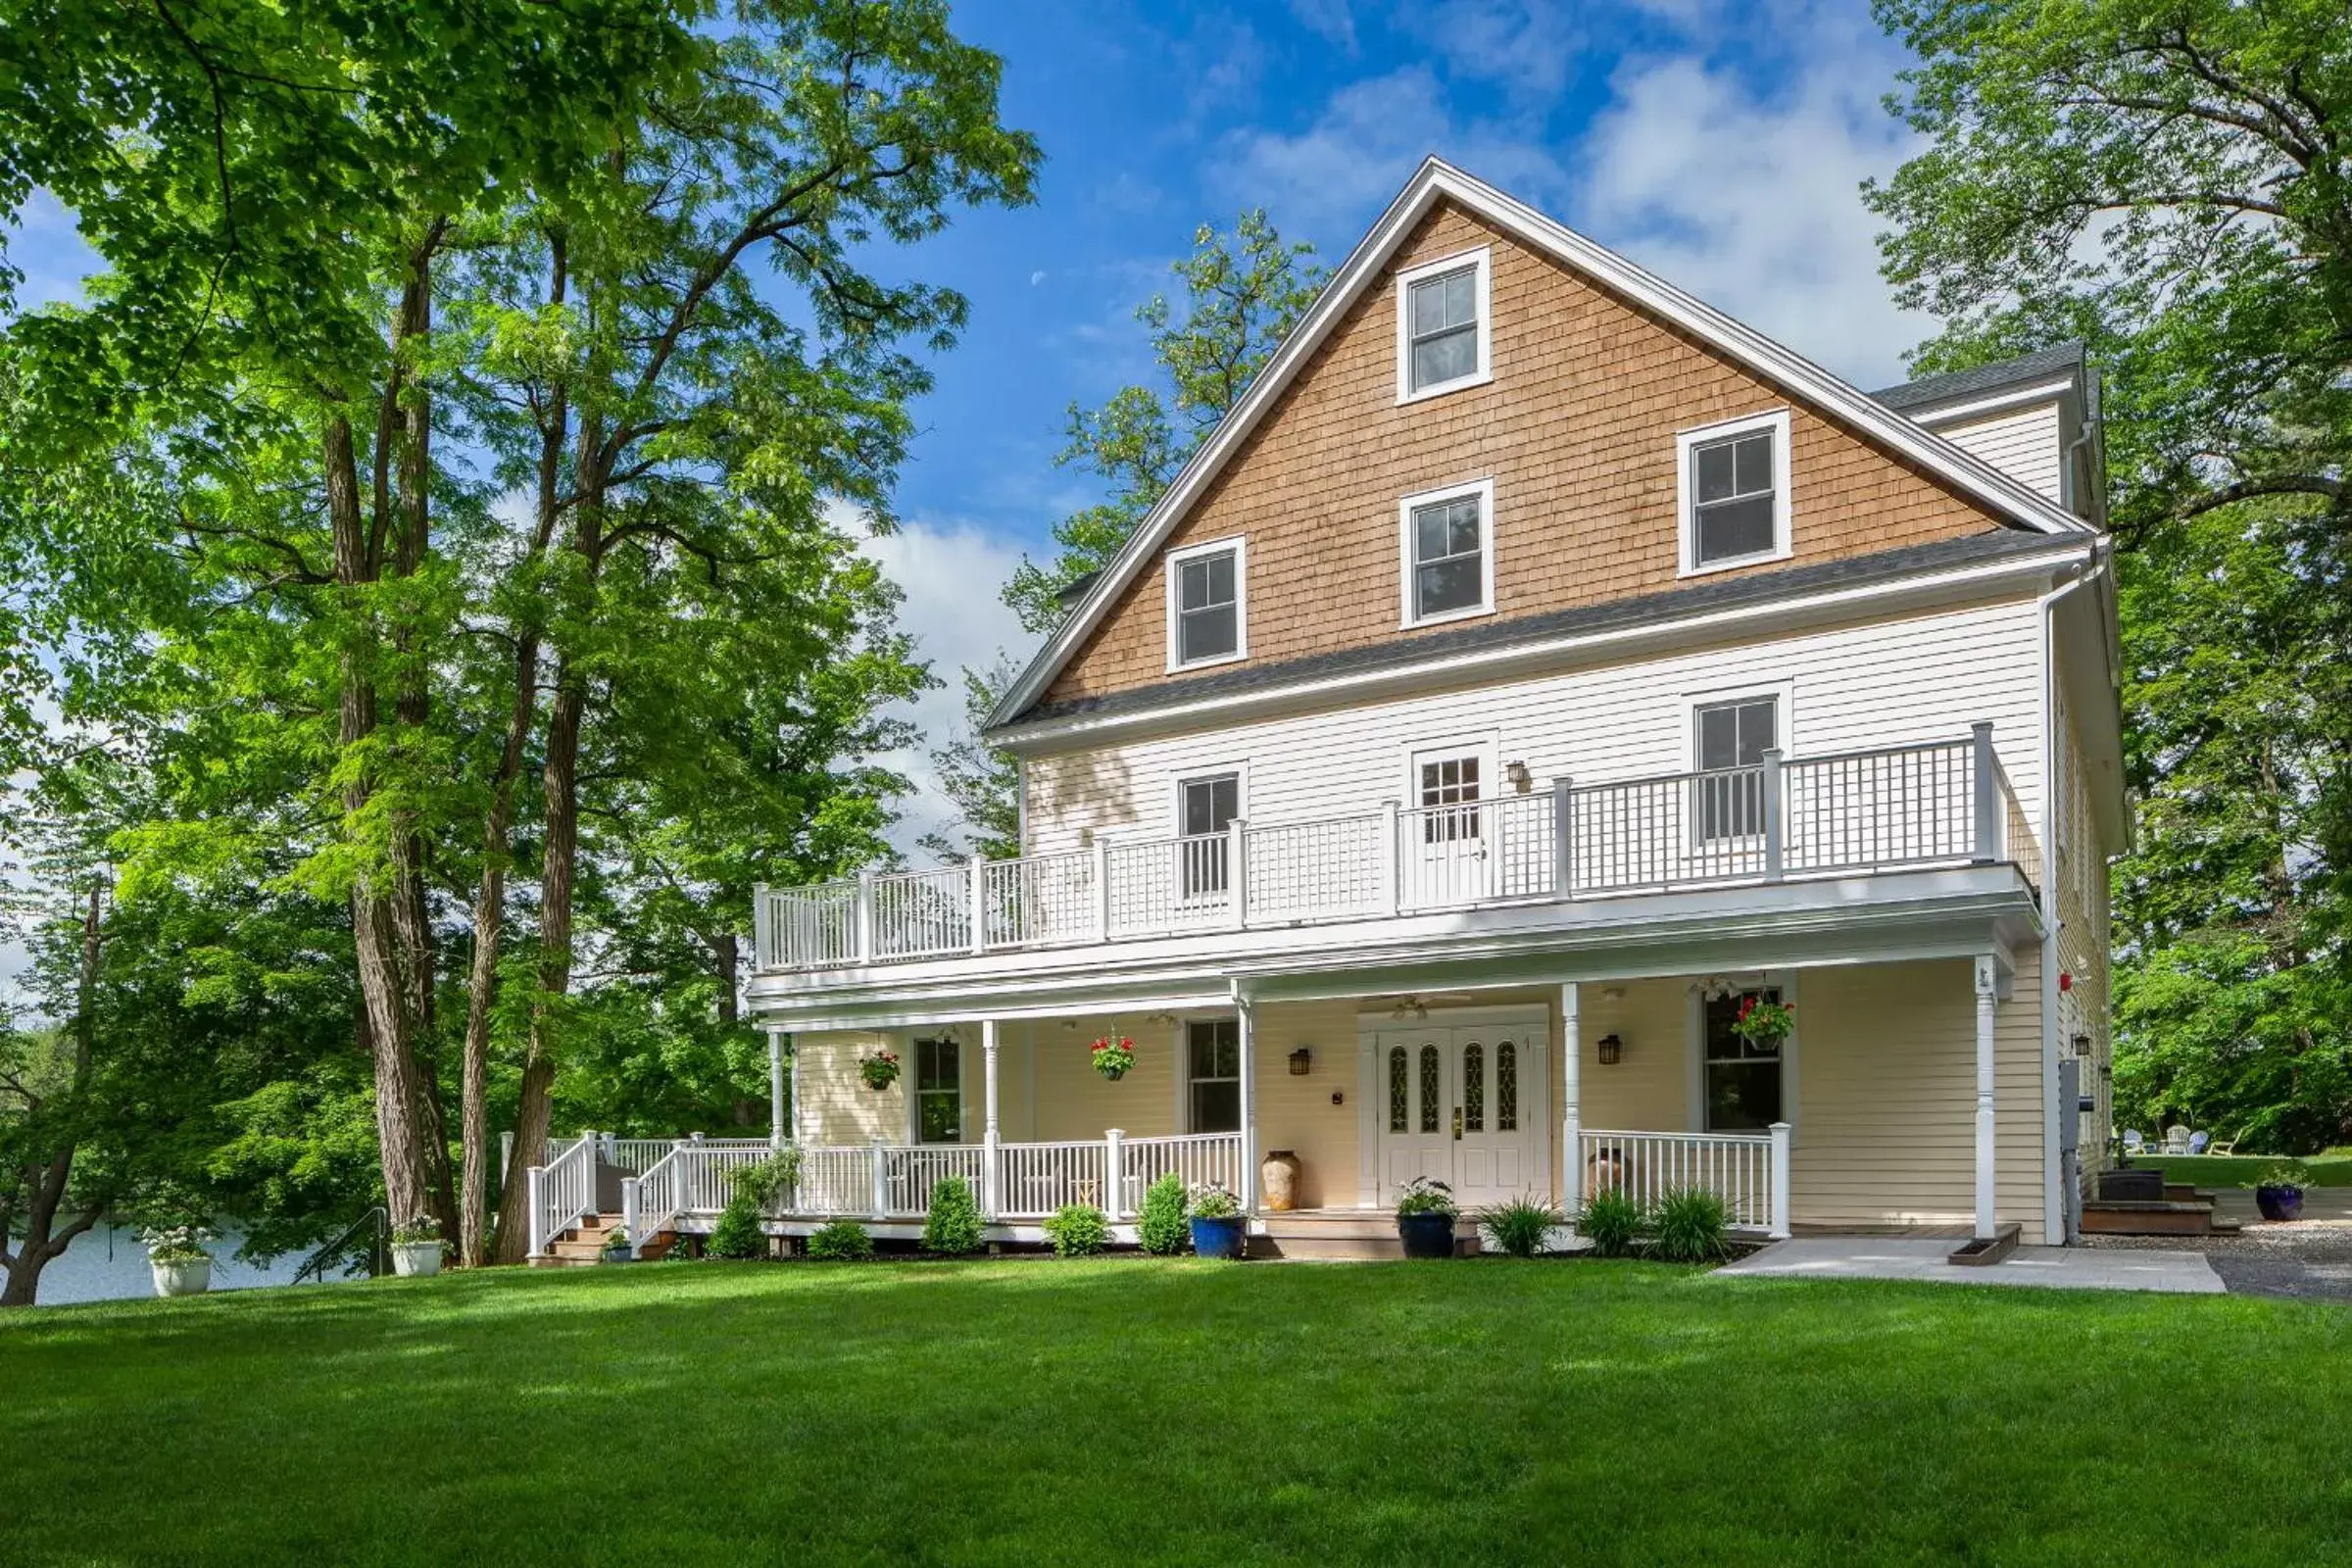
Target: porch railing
[(1747, 1171), (1940, 802), (562, 1191)]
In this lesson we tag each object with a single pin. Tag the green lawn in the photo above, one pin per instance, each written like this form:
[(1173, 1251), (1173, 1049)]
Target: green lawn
[(2242, 1170), (1033, 1411)]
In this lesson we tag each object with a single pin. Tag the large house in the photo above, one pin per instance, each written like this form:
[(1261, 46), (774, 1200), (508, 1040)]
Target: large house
[(1534, 667)]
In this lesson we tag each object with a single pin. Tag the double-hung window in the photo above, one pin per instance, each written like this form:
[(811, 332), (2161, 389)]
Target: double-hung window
[(938, 1091), (1730, 741), (1733, 487), (1448, 553), (1442, 327), (1212, 1050), (1206, 603), (1742, 1079), (1205, 808)]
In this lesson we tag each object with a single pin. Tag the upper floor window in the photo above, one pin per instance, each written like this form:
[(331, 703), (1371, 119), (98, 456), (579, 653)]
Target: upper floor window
[(1207, 601), (1442, 327), (1731, 739), (1448, 555), (1734, 490), (938, 1090)]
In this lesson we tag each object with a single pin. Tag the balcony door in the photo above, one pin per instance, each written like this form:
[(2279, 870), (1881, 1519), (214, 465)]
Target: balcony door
[(1449, 833), (1463, 1105)]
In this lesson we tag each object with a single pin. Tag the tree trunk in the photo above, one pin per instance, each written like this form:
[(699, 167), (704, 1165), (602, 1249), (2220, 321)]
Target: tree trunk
[(52, 1180)]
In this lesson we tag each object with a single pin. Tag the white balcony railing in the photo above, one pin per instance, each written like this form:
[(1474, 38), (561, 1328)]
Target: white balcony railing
[(1935, 804)]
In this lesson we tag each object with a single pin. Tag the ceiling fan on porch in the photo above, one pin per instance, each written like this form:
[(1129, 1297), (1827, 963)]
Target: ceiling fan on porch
[(1412, 1008)]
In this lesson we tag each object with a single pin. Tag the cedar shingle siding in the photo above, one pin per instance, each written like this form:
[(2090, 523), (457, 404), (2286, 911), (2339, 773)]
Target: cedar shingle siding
[(1577, 431)]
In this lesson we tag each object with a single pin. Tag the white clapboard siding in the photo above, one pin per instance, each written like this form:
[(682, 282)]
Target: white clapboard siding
[(1924, 677), (2023, 443)]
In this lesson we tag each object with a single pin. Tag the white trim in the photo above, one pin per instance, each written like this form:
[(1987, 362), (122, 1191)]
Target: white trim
[(1485, 744), (1484, 489), (1785, 614), (1685, 498), (1785, 982), (1933, 415), (1781, 691), (1482, 288), (1170, 567), (1207, 773), (1467, 1015), (1436, 181)]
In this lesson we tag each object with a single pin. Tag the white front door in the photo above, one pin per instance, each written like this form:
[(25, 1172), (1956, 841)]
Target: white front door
[(1450, 832), (1463, 1106)]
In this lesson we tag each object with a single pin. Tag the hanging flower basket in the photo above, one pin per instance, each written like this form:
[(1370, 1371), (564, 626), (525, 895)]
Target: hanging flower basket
[(879, 1070), (1112, 1058), (1763, 1022)]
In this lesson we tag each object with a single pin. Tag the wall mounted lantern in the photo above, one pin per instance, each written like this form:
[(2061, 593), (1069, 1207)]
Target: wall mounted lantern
[(1611, 1049), (1300, 1061)]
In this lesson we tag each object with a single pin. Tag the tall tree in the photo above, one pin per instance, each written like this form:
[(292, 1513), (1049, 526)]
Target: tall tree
[(984, 785), (1243, 293), (2169, 182)]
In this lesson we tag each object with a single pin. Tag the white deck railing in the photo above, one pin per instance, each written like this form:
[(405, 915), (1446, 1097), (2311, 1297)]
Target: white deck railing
[(1747, 1171), (1943, 802), (562, 1191)]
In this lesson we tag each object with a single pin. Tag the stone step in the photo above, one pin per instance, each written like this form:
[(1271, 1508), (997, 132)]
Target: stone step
[(1338, 1235)]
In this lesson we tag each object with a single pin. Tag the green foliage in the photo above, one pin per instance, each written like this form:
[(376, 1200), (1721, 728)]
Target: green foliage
[(1689, 1228), (983, 785), (844, 1240), (414, 1229), (1243, 291), (1161, 1228), (769, 1182), (1077, 1229), (1521, 1226), (1214, 1200), (953, 1227), (2152, 180), (1612, 1222), (1423, 1196), (737, 1233), (2285, 1173)]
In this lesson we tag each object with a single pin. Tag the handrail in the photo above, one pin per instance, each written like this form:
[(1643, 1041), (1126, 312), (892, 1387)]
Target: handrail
[(1913, 805), (379, 1260)]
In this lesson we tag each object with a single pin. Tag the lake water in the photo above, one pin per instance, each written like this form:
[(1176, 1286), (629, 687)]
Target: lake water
[(108, 1265)]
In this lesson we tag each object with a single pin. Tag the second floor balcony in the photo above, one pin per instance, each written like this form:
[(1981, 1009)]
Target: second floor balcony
[(1903, 807)]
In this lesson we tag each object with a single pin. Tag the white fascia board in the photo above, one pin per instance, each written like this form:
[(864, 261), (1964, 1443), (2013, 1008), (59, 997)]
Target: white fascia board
[(1435, 180), (1926, 588), (1942, 414)]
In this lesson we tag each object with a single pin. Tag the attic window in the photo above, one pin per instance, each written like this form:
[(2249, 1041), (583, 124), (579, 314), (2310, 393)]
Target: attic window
[(1442, 326), (1207, 596), (1733, 492)]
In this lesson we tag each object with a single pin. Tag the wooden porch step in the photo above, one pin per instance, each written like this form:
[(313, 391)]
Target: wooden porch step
[(1333, 1235), (583, 1246), (2112, 1216)]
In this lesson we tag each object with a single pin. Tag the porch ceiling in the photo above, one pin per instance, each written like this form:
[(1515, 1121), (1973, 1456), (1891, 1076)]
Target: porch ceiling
[(1888, 917)]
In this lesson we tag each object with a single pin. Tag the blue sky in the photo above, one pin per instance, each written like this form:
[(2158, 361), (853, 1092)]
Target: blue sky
[(1719, 144)]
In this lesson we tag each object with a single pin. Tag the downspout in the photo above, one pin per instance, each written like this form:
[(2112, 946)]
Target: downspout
[(2053, 1205)]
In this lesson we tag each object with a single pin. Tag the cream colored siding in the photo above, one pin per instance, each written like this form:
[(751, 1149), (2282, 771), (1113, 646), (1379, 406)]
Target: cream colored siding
[(835, 1105), (1650, 1088), (2080, 885), (1923, 678), (1297, 1114), (2023, 443)]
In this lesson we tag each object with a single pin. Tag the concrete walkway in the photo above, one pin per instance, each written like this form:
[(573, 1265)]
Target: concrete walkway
[(1891, 1257)]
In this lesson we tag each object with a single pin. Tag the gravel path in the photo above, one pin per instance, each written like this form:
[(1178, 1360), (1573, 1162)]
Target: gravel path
[(2310, 1257)]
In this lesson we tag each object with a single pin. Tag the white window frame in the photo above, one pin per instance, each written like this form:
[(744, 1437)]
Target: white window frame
[(1483, 490), (1172, 566), (1784, 981), (1486, 746), (1686, 496), (909, 1049), (1239, 772), (1784, 725), (1184, 1074), (1483, 293)]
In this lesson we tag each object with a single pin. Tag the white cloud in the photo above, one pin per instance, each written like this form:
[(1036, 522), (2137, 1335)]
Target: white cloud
[(1526, 45), (1329, 20), (1330, 180), (1752, 201), (949, 572)]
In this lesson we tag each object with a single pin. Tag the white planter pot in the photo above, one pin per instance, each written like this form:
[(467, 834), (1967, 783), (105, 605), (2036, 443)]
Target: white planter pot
[(416, 1259), (188, 1276)]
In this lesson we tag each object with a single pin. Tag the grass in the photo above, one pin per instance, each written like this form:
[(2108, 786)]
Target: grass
[(1121, 1410), (2331, 1169)]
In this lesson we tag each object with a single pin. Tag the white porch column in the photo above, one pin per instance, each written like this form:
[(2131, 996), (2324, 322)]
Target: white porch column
[(793, 1069), (1572, 1057), (1248, 1012), (990, 1177), (1987, 978), (776, 1089)]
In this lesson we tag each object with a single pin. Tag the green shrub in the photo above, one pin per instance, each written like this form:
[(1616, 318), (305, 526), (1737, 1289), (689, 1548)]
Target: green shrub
[(1612, 1222), (1077, 1229), (737, 1234), (844, 1240), (953, 1226), (1162, 1228), (2284, 1173), (1689, 1228), (769, 1182), (1521, 1226)]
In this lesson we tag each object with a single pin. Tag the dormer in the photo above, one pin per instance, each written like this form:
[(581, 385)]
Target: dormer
[(2035, 417)]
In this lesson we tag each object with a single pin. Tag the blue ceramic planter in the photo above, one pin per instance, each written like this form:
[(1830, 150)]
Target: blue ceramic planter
[(1426, 1235), (1218, 1238), (2279, 1202)]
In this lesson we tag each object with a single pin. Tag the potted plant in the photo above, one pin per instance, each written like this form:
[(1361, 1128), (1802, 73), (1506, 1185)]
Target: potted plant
[(1425, 1217), (879, 1070), (177, 1257), (2278, 1191), (1219, 1228), (1764, 1022), (1114, 1056), (417, 1247), (617, 1247)]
